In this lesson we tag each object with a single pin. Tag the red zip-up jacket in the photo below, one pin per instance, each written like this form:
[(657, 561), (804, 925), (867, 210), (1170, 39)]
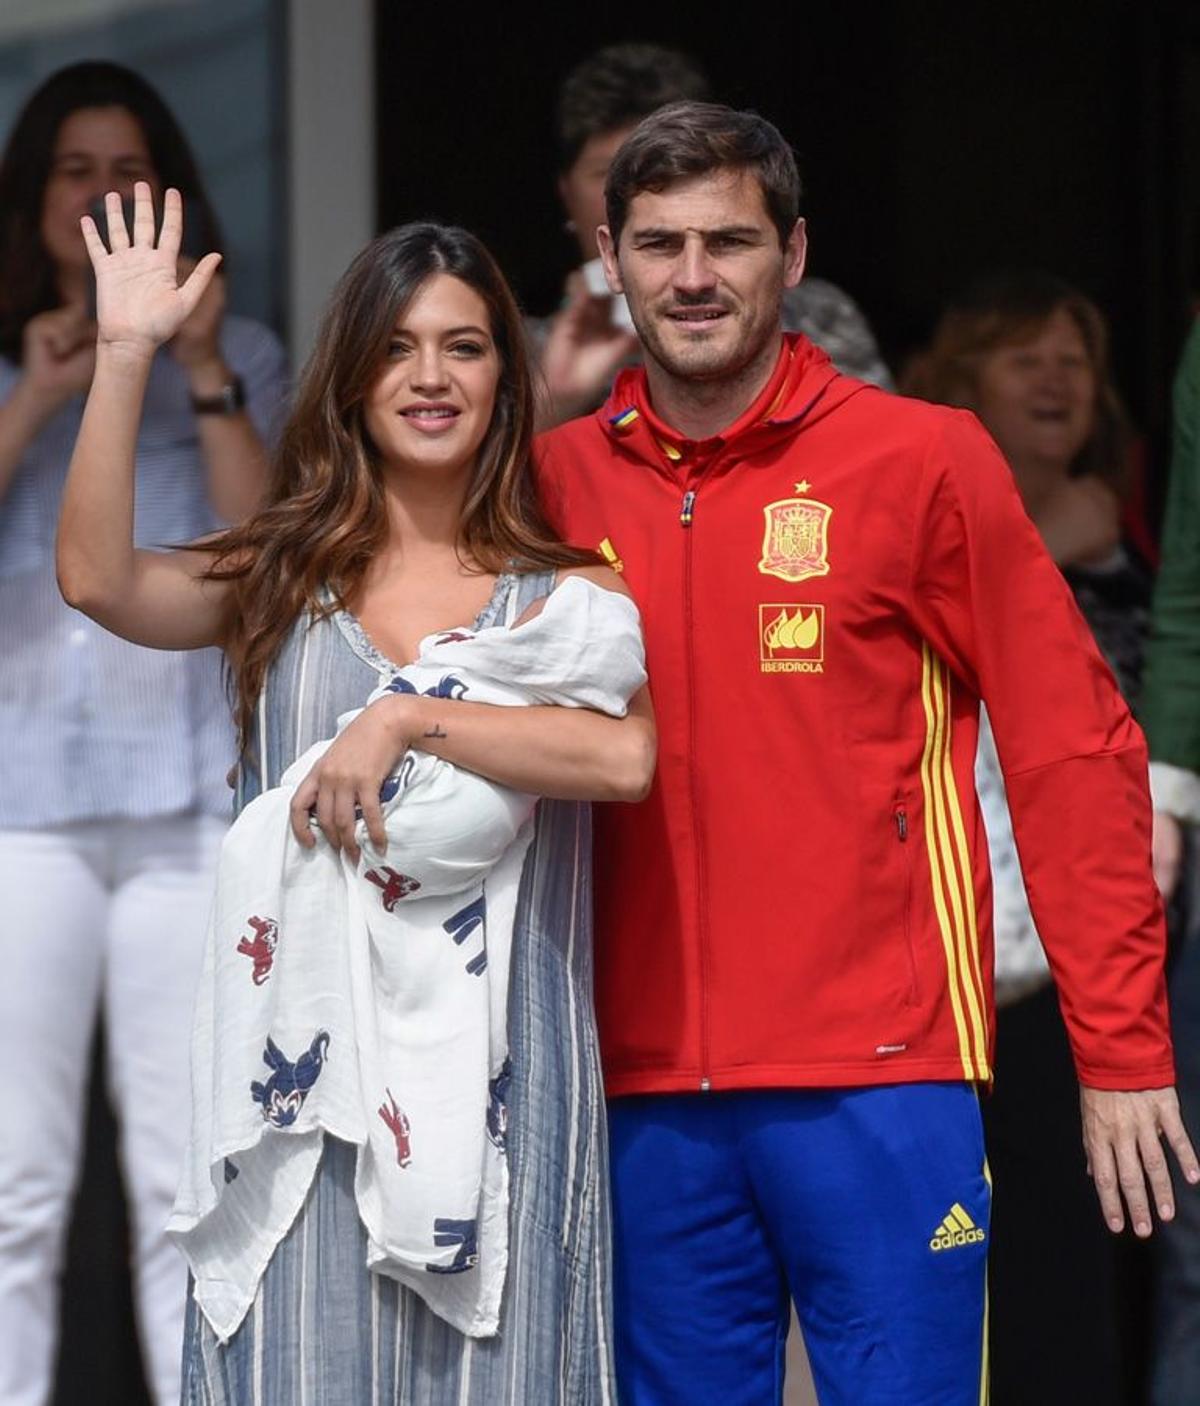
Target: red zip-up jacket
[(828, 588)]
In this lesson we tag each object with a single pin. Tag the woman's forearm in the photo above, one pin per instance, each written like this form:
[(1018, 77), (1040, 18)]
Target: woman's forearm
[(95, 532), (234, 456), (159, 599), (563, 753)]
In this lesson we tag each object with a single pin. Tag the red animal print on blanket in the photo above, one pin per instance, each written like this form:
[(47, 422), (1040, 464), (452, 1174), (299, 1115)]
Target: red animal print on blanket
[(397, 1120), (261, 948), (395, 885)]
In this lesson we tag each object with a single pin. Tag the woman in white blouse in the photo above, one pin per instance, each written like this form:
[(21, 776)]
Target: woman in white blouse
[(112, 757)]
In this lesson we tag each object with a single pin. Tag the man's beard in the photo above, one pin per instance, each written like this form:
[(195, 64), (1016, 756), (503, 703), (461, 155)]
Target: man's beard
[(704, 358)]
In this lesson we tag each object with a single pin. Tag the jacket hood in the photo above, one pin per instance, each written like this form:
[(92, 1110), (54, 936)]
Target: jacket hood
[(804, 387)]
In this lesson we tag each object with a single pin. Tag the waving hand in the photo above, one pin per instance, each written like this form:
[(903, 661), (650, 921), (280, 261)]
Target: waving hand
[(139, 301)]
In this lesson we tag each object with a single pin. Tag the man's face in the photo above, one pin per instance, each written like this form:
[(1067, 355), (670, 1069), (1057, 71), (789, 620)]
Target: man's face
[(581, 189), (701, 266)]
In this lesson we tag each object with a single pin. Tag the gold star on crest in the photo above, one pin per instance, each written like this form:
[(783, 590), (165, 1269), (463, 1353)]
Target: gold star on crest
[(803, 486)]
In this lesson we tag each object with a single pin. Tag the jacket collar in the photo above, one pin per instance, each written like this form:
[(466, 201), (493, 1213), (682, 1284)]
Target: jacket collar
[(803, 386)]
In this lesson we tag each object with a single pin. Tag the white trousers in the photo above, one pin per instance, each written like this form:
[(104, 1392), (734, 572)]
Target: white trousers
[(98, 915)]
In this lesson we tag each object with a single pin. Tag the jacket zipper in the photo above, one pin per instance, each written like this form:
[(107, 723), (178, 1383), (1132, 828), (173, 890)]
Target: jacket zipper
[(687, 513), (900, 814)]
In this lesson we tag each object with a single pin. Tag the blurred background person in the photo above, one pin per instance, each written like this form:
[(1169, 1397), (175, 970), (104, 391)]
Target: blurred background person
[(581, 347), (1171, 713), (1028, 354), (112, 758)]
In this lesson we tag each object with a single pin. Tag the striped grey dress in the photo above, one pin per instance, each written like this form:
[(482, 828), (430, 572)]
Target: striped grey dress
[(322, 1330)]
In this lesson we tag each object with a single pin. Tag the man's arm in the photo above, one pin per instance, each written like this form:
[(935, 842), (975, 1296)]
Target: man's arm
[(989, 599)]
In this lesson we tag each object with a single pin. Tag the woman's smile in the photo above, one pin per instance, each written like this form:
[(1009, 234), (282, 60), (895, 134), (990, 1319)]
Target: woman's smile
[(432, 418)]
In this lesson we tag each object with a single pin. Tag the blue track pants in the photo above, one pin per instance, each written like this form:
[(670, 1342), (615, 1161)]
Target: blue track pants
[(867, 1207)]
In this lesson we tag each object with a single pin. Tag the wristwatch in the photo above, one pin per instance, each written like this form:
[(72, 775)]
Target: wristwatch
[(228, 400)]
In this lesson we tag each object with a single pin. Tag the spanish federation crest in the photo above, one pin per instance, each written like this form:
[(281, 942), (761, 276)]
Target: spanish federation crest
[(796, 540)]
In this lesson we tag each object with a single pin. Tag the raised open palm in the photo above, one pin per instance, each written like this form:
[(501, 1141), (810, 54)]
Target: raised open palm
[(138, 299)]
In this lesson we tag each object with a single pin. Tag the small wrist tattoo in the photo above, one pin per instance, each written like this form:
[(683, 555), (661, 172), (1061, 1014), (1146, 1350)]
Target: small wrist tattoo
[(435, 731)]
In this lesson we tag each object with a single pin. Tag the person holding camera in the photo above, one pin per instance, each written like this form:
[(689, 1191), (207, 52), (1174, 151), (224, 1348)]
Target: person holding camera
[(113, 798)]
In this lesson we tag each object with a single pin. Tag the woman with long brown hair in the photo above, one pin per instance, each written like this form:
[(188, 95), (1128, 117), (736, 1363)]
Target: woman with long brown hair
[(113, 802), (401, 506)]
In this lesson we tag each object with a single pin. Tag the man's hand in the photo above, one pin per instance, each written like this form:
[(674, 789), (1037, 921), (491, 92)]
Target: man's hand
[(1167, 852), (1121, 1136), (584, 350)]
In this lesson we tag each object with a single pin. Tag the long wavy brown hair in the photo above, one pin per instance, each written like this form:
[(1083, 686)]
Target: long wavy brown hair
[(309, 545), (1008, 309)]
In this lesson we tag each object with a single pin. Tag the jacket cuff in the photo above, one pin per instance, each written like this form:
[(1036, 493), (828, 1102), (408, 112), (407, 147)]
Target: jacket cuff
[(1176, 791), (1155, 1076)]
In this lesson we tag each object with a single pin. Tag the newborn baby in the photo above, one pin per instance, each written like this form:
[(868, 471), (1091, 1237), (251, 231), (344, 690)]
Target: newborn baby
[(446, 827)]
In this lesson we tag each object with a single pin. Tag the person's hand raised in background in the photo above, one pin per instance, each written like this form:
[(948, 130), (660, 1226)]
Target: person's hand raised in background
[(58, 356), (197, 342), (584, 349)]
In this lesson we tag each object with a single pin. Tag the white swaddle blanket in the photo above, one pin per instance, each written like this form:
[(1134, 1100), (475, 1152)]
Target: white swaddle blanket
[(369, 1001)]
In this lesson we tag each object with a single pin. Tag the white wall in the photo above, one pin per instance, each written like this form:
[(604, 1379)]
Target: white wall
[(331, 151)]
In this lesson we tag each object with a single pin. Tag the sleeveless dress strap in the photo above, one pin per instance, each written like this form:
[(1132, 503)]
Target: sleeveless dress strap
[(527, 588)]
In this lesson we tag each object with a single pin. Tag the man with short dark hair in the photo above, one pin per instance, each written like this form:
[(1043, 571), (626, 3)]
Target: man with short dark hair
[(793, 931), (587, 341)]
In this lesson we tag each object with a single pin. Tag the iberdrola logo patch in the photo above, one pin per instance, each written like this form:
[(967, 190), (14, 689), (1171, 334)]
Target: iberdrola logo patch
[(791, 638)]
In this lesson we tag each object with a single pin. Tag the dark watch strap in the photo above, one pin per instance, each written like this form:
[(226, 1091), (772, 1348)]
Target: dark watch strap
[(228, 400)]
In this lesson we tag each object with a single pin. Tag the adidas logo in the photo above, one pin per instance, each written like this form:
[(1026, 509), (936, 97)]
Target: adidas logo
[(956, 1230)]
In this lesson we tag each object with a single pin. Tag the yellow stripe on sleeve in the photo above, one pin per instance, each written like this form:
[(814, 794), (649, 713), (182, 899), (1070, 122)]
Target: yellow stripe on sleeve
[(975, 990), (961, 887), (935, 863)]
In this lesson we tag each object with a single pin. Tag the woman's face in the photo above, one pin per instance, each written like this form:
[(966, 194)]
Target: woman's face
[(1038, 397), (432, 403), (98, 149)]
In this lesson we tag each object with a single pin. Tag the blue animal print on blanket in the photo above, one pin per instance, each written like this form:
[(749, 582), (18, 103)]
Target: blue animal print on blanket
[(446, 687), (460, 1233), (497, 1109), (394, 783), (462, 924), (283, 1095)]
